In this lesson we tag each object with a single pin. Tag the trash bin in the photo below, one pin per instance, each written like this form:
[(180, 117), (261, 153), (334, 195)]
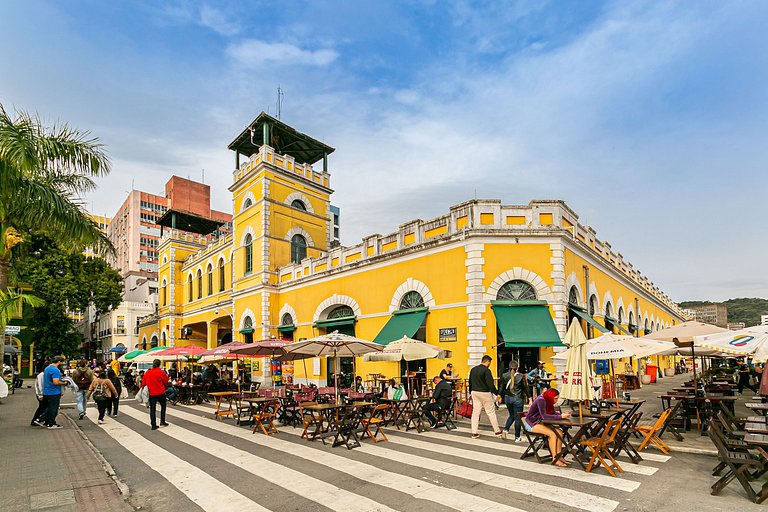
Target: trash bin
[(652, 372)]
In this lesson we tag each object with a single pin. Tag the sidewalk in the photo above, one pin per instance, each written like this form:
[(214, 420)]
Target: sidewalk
[(50, 470)]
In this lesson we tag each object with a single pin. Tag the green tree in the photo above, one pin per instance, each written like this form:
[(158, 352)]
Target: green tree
[(66, 281), (43, 172)]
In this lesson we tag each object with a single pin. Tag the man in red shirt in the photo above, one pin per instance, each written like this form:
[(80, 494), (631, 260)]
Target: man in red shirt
[(156, 381)]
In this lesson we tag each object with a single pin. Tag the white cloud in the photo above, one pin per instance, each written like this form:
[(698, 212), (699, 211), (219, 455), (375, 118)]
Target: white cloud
[(253, 53), (218, 21)]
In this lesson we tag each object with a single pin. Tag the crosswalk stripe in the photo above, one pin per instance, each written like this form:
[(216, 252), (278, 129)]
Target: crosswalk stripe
[(517, 449), (197, 485), (510, 462), (307, 486), (652, 457), (421, 489), (540, 490)]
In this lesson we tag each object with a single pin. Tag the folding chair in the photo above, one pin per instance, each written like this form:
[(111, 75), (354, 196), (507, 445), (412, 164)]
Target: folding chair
[(650, 433), (731, 444), (673, 417), (600, 447), (346, 429), (732, 430), (622, 442), (309, 418), (414, 414), (444, 415), (536, 442), (265, 418), (243, 411), (376, 418), (738, 464)]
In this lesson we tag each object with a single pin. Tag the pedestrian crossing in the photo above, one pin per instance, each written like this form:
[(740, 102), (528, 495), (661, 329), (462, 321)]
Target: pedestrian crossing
[(411, 471)]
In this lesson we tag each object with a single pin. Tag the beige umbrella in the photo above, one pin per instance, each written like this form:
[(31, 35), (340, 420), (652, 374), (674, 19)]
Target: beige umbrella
[(577, 378), (682, 335), (407, 349)]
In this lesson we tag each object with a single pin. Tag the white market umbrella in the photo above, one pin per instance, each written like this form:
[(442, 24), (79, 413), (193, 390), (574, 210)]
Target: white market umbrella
[(335, 345), (148, 357), (615, 346), (577, 378), (752, 341), (407, 349), (682, 335)]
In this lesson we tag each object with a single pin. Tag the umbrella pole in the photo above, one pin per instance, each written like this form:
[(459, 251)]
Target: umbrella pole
[(693, 361)]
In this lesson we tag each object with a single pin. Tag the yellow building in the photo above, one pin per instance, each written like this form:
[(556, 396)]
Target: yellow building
[(485, 278)]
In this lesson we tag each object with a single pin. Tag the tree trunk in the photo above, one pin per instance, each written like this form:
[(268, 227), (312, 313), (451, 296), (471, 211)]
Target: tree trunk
[(5, 268)]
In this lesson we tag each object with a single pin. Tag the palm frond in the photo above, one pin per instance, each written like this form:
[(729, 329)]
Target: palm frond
[(11, 303)]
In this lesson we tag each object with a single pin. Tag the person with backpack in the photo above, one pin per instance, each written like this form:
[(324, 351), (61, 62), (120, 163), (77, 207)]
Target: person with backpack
[(115, 400), (83, 377), (102, 390), (515, 392)]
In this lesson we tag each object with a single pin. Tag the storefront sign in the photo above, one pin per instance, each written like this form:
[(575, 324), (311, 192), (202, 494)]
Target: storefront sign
[(447, 334), (12, 330)]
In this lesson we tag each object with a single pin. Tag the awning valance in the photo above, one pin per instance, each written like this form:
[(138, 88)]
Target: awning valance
[(336, 322), (399, 325), (286, 328), (585, 316), (526, 325)]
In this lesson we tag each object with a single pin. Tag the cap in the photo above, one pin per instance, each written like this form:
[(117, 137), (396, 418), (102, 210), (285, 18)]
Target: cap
[(540, 362), (450, 364)]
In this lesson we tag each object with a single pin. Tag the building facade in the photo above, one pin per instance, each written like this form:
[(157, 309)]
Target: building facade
[(134, 232), (715, 314), (484, 278)]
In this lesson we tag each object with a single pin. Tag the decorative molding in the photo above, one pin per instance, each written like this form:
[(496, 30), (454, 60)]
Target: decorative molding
[(573, 280), (248, 195), (301, 197), (247, 314), (543, 292), (321, 313), (606, 299), (247, 231), (411, 285), (298, 230), (287, 308)]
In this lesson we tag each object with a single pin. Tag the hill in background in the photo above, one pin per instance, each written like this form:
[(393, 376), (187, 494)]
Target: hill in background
[(747, 310)]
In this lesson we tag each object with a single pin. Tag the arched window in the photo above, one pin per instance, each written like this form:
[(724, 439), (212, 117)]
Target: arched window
[(248, 330), (645, 327), (210, 279), (592, 305), (153, 342), (573, 296), (296, 203), (199, 284), (608, 320), (163, 340), (516, 290), (287, 319), (631, 320), (609, 309), (620, 316), (189, 287), (412, 300), (164, 294), (222, 280), (286, 327), (248, 244), (298, 248), (247, 203), (341, 312)]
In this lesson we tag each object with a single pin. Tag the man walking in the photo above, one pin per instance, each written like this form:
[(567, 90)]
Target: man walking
[(42, 402), (83, 376), (482, 391), (156, 381), (514, 391), (442, 399), (52, 383)]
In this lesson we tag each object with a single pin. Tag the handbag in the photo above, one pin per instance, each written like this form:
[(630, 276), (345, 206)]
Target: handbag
[(465, 409), (123, 393), (98, 394)]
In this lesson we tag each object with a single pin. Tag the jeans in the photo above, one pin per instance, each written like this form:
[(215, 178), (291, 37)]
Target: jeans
[(153, 401), (515, 406), (114, 402), (434, 406), (485, 401), (42, 407), (80, 398), (52, 410)]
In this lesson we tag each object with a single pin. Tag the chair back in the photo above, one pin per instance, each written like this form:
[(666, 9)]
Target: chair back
[(662, 418), (612, 429), (379, 411), (270, 407), (726, 423)]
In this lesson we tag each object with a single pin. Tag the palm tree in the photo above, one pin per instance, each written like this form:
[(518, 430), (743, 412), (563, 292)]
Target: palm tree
[(43, 171)]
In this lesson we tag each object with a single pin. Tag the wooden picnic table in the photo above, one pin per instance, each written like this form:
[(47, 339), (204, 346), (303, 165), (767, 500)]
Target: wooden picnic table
[(756, 427), (760, 407), (397, 409), (570, 441), (218, 398)]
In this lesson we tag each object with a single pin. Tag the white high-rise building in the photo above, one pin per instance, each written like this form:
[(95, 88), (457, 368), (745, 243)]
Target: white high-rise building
[(763, 319)]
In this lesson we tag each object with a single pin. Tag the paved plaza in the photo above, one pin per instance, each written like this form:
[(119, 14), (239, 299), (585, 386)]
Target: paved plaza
[(199, 463)]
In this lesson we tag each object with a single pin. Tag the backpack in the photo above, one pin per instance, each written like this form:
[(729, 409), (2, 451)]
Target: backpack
[(81, 379), (98, 393)]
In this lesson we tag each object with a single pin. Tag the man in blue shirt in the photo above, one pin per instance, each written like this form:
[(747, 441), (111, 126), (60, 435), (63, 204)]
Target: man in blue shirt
[(52, 384), (537, 377)]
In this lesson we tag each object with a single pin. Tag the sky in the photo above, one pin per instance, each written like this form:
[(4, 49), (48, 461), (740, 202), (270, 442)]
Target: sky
[(648, 118)]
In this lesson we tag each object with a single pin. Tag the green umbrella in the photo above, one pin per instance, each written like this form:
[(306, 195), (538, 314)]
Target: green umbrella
[(130, 355)]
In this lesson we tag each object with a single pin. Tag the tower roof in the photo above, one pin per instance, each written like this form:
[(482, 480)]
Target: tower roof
[(284, 139)]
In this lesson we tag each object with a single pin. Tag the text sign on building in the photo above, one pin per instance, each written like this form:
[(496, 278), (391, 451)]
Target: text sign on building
[(12, 330), (447, 334)]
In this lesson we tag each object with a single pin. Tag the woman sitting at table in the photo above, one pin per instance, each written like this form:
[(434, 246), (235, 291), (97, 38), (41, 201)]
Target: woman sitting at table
[(543, 408), (358, 388), (395, 391)]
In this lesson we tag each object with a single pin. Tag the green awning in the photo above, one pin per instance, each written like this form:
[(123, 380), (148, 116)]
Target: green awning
[(591, 321), (286, 328), (647, 332), (401, 324), (622, 329), (246, 331), (336, 322), (526, 325)]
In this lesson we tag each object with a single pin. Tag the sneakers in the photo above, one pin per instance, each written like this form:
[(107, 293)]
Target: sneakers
[(55, 426), (114, 415), (504, 434), (518, 439), (475, 436), (82, 415), (38, 423), (100, 422), (164, 424)]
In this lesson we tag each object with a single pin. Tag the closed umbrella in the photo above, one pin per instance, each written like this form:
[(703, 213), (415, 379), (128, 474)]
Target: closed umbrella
[(335, 345), (576, 383), (407, 349)]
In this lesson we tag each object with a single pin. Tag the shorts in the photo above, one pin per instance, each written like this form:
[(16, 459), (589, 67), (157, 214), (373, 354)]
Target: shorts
[(526, 426)]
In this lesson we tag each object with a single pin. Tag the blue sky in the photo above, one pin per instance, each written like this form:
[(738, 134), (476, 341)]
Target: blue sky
[(648, 118)]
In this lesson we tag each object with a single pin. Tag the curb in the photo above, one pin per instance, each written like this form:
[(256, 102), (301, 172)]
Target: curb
[(122, 487)]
